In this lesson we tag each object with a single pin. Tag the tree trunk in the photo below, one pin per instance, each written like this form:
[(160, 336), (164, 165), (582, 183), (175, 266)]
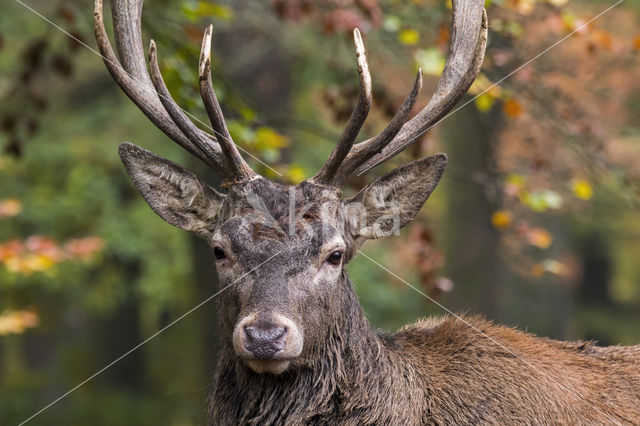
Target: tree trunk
[(472, 243)]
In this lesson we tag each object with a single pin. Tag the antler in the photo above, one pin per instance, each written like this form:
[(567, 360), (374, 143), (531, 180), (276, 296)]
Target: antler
[(357, 118), (152, 97), (466, 52)]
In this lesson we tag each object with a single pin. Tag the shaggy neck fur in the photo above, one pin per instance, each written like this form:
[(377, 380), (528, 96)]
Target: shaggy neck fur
[(350, 379)]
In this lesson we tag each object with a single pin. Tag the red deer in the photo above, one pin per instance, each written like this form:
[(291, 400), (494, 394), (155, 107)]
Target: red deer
[(296, 346)]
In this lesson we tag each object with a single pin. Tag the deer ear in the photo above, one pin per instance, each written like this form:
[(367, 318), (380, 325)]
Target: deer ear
[(393, 200), (174, 193)]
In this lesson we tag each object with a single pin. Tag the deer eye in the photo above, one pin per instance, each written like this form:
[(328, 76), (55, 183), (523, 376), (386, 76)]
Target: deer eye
[(219, 254), (335, 258)]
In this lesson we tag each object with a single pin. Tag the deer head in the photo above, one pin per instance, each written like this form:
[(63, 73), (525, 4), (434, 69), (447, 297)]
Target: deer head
[(280, 250)]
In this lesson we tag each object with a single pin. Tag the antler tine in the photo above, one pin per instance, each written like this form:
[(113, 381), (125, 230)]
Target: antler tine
[(466, 53), (132, 77), (365, 150), (328, 173), (201, 140), (234, 160)]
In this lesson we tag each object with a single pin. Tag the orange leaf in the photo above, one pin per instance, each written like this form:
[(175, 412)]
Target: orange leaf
[(512, 108), (603, 39), (443, 36), (636, 43), (537, 270), (539, 237), (193, 33), (502, 219)]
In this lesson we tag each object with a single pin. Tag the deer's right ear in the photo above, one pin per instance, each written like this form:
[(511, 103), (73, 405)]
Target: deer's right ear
[(175, 194)]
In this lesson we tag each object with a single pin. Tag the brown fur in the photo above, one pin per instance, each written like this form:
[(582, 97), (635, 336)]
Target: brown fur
[(454, 370), (438, 371)]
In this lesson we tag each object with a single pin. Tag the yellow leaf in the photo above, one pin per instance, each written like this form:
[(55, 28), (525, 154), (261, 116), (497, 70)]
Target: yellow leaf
[(42, 262), (516, 180), (409, 37), (502, 219), (296, 174), (582, 189), (483, 84), (484, 102), (539, 237), (268, 138)]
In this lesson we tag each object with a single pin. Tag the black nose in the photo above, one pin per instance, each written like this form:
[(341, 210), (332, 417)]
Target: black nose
[(264, 341)]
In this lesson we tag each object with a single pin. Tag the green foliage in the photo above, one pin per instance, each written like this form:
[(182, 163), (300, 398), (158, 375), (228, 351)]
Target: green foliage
[(59, 306)]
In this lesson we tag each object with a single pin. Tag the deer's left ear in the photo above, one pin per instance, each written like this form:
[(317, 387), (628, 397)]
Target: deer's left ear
[(393, 200)]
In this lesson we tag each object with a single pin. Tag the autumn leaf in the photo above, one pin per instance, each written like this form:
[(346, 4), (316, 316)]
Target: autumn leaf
[(431, 60), (514, 185), (482, 85), (40, 254), (581, 189), (549, 265), (636, 43), (192, 32), (83, 248), (196, 10), (296, 174), (484, 102), (391, 23), (516, 180), (443, 36), (30, 263), (16, 322), (541, 201), (512, 108), (267, 138), (525, 6), (539, 237), (502, 219), (409, 37), (603, 39), (537, 270), (10, 207)]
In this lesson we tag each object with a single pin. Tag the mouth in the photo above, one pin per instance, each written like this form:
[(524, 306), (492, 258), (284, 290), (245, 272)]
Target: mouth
[(269, 344), (271, 366)]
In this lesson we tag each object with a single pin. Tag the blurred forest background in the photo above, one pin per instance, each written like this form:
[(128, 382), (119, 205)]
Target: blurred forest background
[(536, 222)]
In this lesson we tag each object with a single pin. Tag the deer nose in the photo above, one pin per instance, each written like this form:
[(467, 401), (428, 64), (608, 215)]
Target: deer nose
[(264, 341)]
